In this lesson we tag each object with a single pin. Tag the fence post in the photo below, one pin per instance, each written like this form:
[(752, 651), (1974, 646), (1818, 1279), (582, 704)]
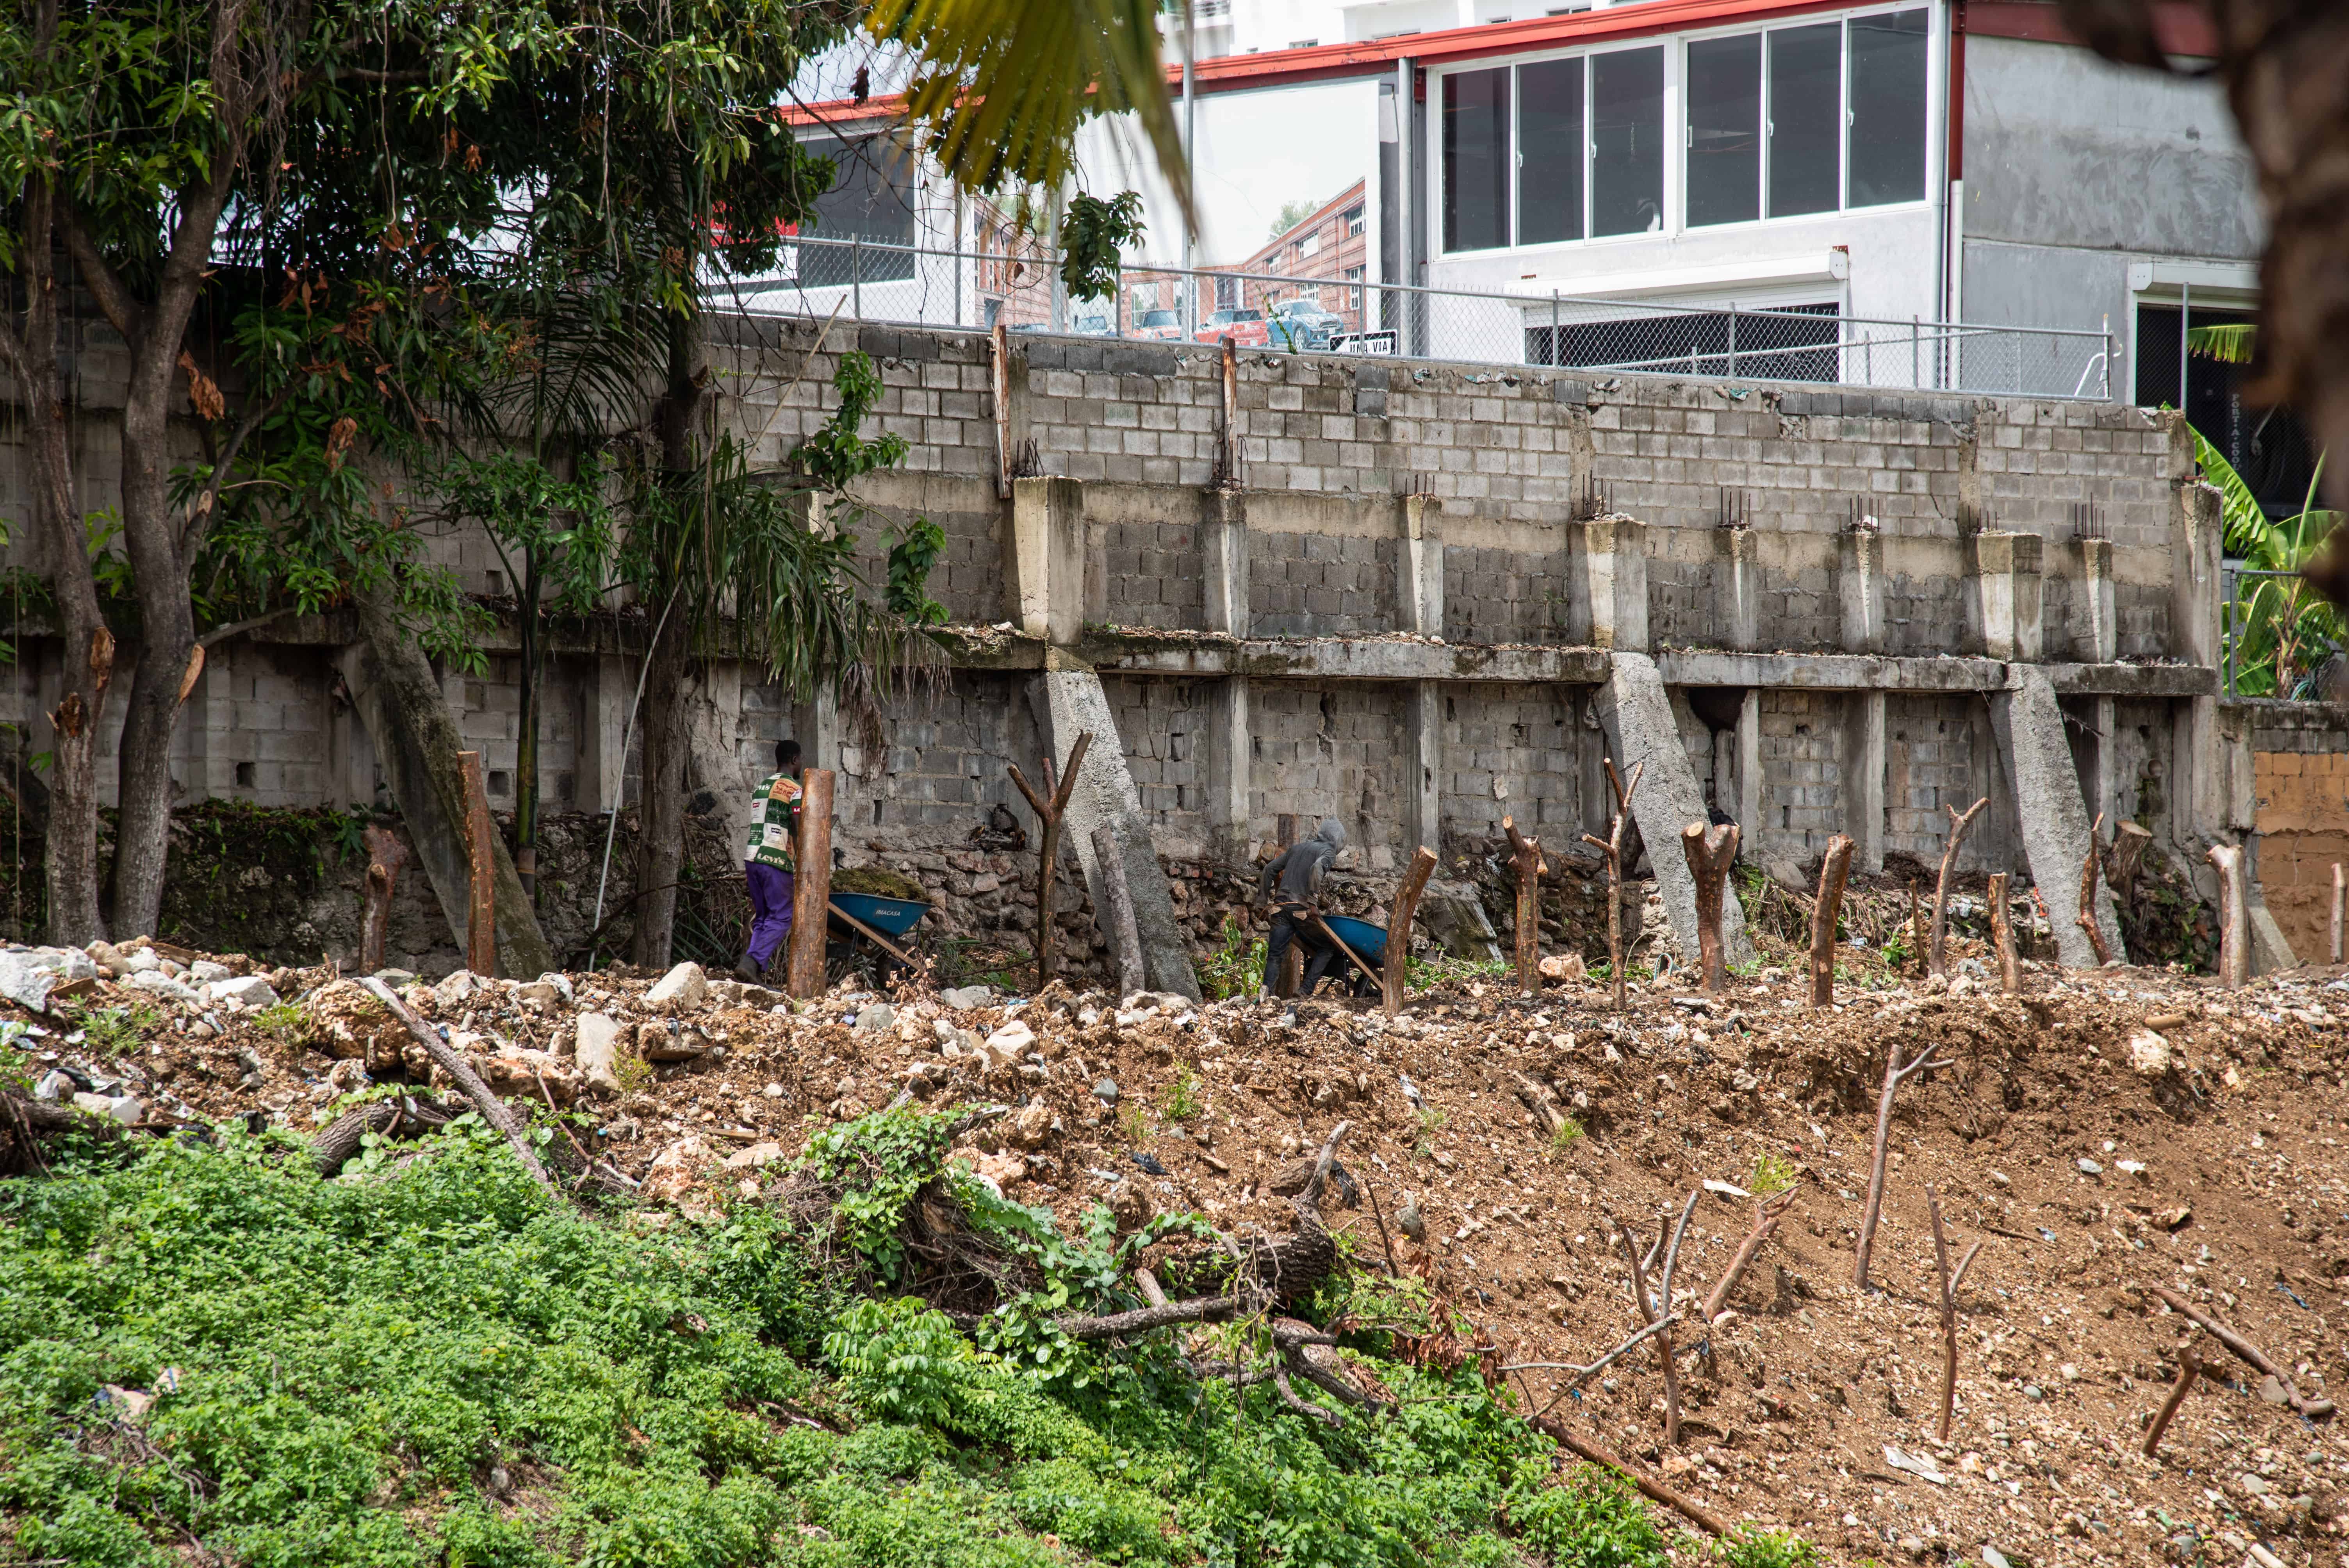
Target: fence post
[(1915, 385), (1556, 358), (1733, 340), (856, 275)]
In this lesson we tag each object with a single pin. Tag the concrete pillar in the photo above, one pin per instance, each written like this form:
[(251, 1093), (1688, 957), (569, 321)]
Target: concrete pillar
[(1419, 594), (1737, 588), (2095, 636), (1863, 778), (2198, 786), (1224, 560), (1105, 796), (1749, 777), (1609, 585), (1231, 750), (602, 752), (1860, 588), (1638, 714), (2052, 820), (1048, 557), (2009, 591), (1423, 787)]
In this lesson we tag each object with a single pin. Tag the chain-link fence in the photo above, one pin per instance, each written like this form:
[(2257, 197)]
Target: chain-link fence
[(1020, 287)]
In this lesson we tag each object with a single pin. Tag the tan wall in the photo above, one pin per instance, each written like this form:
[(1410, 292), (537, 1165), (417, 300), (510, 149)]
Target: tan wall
[(2304, 827)]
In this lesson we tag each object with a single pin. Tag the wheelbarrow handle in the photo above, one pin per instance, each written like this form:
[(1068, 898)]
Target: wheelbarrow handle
[(899, 954)]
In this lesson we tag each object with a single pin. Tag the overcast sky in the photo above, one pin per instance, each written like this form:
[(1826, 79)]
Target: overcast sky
[(1256, 153)]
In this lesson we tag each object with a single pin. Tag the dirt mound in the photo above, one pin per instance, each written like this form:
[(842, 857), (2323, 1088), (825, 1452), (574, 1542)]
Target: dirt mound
[(2098, 1135)]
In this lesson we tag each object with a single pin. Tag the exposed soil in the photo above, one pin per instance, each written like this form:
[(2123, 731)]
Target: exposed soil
[(2087, 1175)]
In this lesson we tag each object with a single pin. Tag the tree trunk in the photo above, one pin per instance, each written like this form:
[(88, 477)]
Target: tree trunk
[(660, 835), (159, 545), (1526, 854), (395, 697), (811, 885), (532, 664), (2002, 931), (70, 835), (2234, 916)]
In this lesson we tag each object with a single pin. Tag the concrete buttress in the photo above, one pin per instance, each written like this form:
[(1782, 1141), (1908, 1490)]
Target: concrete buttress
[(1638, 714), (2053, 819)]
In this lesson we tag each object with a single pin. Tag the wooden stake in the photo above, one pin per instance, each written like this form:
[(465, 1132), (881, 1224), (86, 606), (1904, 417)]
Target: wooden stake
[(386, 856), (1832, 873), (1530, 867), (2088, 920), (1118, 925), (1767, 1215), (2234, 916), (482, 906), (1918, 954), (1949, 1315), (811, 885), (493, 1111), (1047, 807), (2190, 1368), (2340, 908), (1936, 961), (2002, 931), (1395, 975), (1711, 851), (1895, 1075), (1611, 846)]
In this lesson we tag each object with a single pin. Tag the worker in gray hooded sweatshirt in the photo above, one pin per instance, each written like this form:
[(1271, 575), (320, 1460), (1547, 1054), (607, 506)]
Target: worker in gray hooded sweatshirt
[(1299, 871)]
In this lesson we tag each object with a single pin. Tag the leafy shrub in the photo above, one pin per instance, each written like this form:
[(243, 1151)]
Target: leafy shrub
[(1751, 1546), (353, 1362), (1773, 1174), (880, 1161), (898, 1358), (1592, 1519)]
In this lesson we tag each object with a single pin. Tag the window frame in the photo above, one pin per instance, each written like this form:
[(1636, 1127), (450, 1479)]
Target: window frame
[(1675, 46)]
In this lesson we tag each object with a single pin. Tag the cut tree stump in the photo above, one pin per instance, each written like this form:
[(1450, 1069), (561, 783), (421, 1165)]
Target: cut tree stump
[(1611, 846), (386, 856), (1711, 851), (1833, 872), (1395, 976), (2087, 919), (811, 885), (1527, 856), (2002, 931), (482, 903), (2234, 916), (1937, 959)]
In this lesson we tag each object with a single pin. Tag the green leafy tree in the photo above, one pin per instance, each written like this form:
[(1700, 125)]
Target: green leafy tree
[(1093, 234)]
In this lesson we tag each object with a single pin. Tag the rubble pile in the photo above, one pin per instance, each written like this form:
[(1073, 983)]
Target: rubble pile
[(2100, 1135)]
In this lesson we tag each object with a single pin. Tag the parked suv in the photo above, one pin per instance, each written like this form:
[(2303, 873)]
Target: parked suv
[(1246, 328), (1163, 326)]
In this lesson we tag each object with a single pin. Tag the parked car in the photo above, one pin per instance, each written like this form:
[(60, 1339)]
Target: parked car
[(1160, 326), (1091, 327), (1301, 323), (1246, 328)]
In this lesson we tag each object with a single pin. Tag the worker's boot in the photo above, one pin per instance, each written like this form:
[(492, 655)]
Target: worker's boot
[(749, 971)]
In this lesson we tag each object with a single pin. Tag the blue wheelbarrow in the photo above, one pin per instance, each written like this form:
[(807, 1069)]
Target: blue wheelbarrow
[(870, 937), (1358, 939)]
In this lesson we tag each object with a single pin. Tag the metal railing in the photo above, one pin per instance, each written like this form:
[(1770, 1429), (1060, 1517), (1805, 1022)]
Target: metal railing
[(902, 282)]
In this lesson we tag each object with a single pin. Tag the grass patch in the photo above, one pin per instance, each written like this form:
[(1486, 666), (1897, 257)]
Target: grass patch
[(435, 1365)]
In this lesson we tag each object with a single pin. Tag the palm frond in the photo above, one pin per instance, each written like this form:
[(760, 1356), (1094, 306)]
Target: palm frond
[(1002, 88), (2231, 345), (2248, 534)]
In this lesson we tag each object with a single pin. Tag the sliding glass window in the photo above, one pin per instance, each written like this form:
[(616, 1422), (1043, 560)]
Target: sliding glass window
[(1476, 159), (1725, 130), (1805, 120), (1627, 141), (1549, 152), (1887, 109)]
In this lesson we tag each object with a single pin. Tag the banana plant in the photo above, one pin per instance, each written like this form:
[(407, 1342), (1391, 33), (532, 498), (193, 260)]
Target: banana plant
[(2280, 629)]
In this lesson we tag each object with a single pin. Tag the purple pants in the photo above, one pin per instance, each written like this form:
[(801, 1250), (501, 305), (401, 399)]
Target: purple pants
[(770, 909)]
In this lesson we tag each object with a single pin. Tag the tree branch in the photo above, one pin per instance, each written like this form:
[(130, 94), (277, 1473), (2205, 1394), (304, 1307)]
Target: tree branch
[(238, 628), (115, 301)]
